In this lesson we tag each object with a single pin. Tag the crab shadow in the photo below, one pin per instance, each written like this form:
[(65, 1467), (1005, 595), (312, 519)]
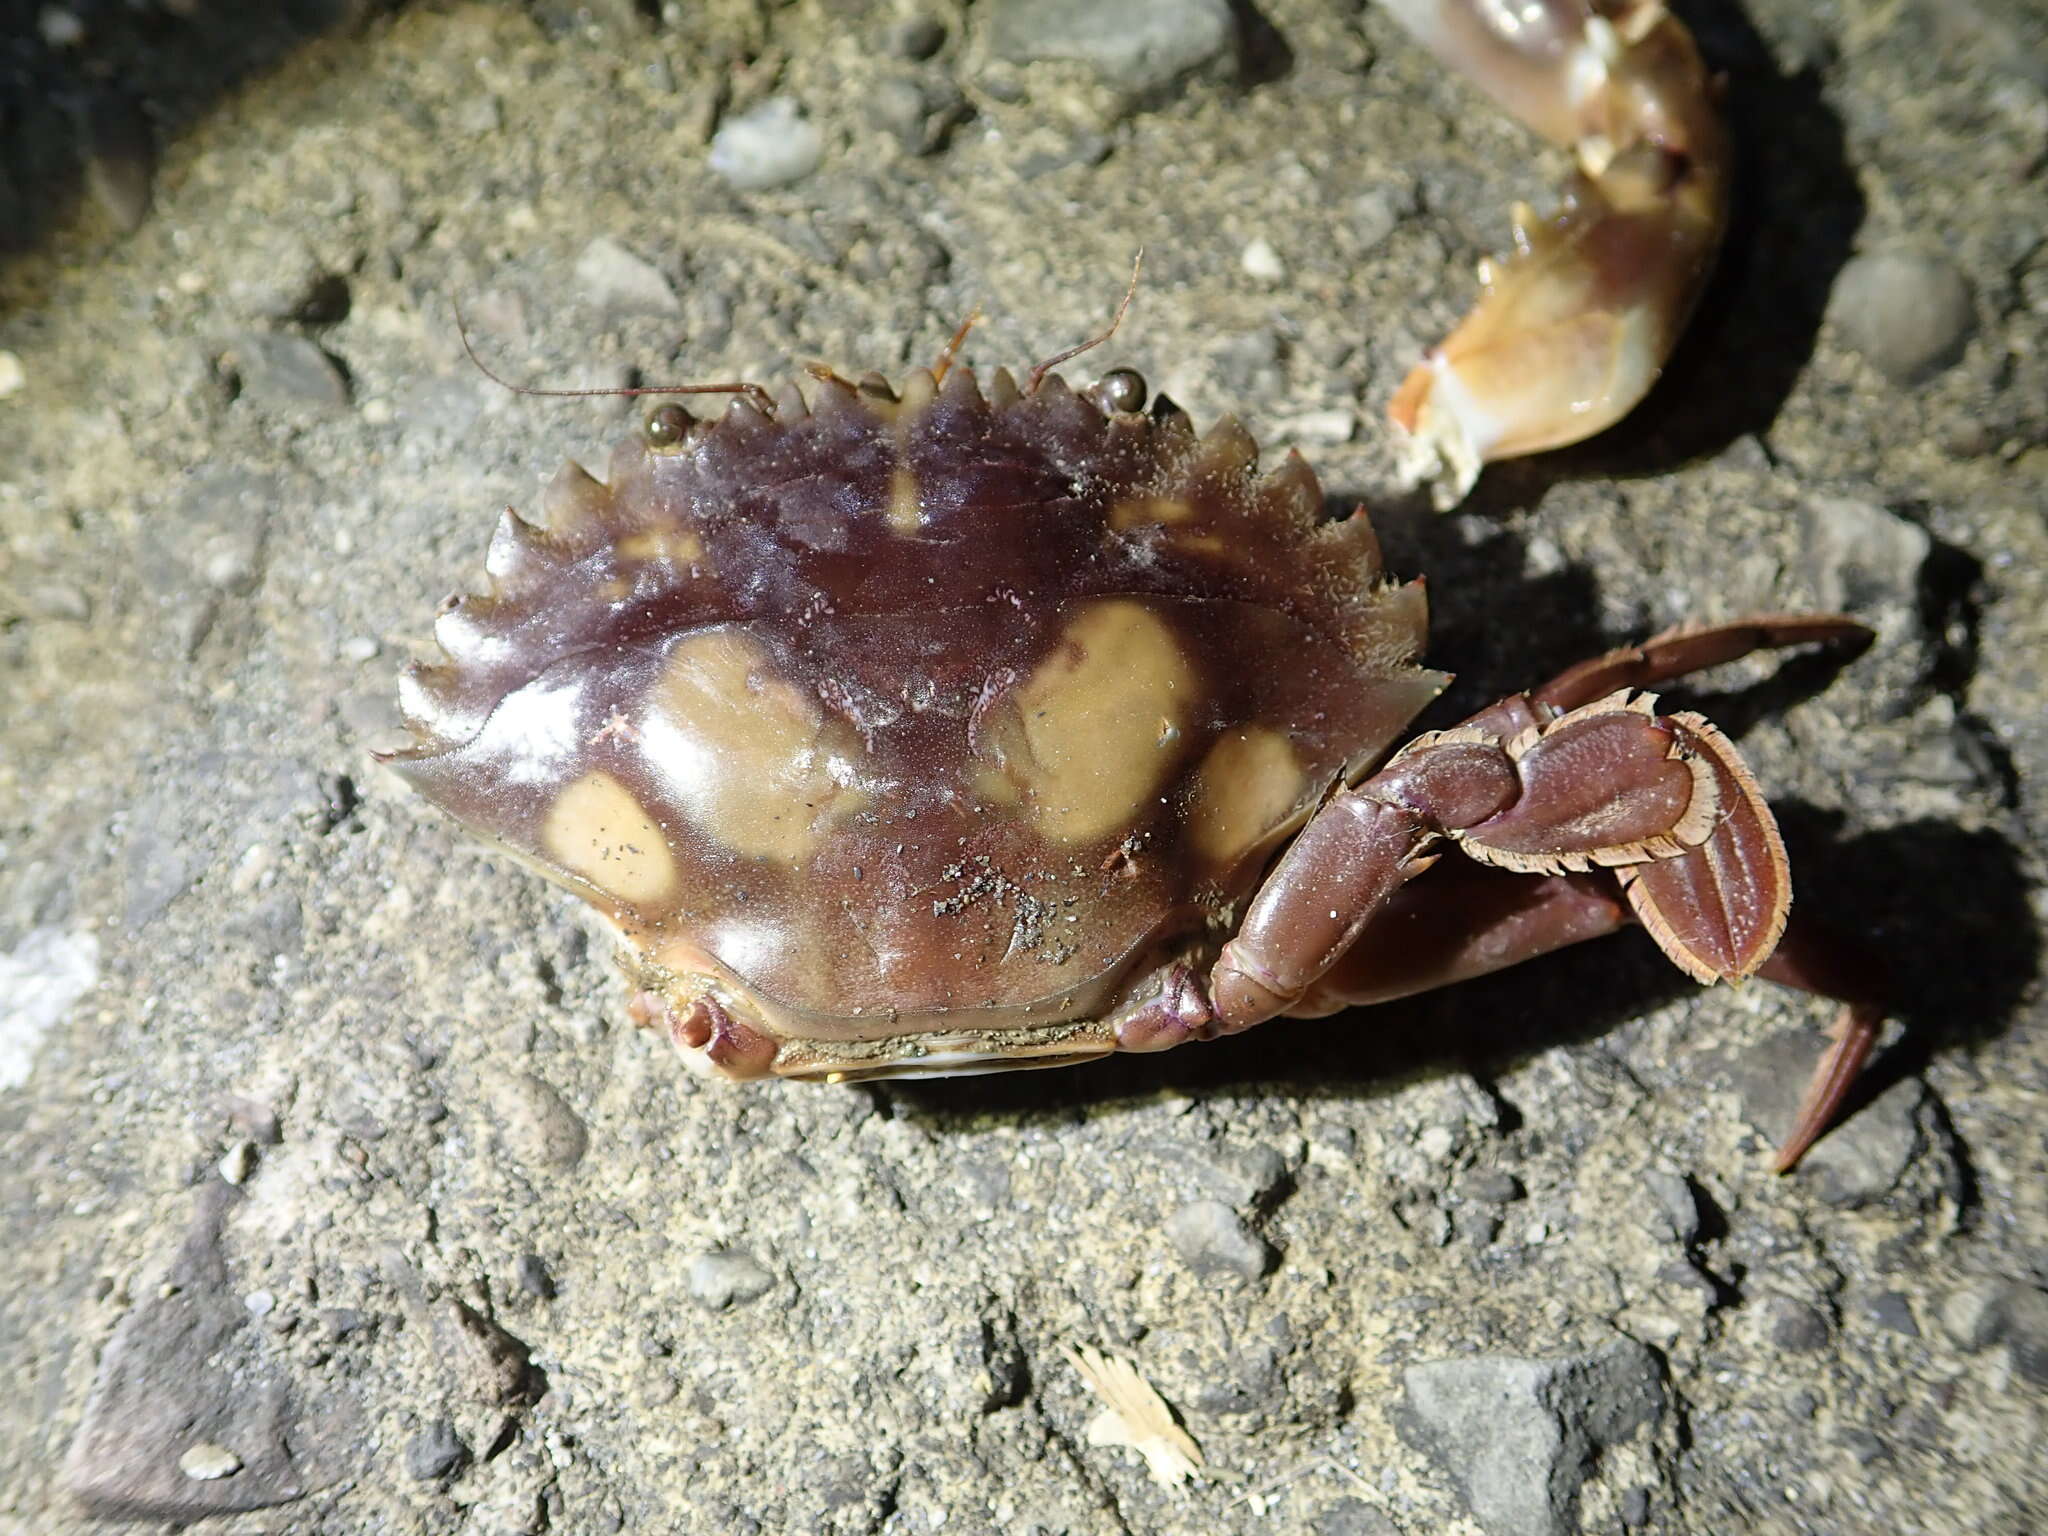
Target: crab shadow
[(1796, 212), (98, 110), (1945, 907)]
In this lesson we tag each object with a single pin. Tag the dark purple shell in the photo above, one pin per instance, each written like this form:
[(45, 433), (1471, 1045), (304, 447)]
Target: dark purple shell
[(898, 721)]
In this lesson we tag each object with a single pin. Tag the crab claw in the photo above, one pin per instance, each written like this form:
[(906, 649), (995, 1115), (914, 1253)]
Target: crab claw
[(1573, 327)]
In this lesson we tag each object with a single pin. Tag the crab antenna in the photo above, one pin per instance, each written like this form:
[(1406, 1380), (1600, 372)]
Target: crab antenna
[(753, 392), (1038, 374), (952, 348)]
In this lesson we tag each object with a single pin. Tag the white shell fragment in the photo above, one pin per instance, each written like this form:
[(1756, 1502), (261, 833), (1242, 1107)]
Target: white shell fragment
[(1136, 1416)]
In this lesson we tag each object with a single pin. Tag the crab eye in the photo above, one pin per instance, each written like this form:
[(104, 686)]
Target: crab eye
[(666, 426), (1121, 389)]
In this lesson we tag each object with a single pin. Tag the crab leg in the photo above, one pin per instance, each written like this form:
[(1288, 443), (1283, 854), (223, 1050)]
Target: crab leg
[(1469, 921), (1690, 648), (1612, 784), (1572, 329)]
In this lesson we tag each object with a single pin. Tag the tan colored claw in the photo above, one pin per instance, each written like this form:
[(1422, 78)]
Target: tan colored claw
[(1574, 326)]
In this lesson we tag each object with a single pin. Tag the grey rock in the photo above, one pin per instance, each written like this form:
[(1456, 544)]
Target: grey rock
[(531, 1271), (1142, 46), (1213, 1240), (1891, 1310), (1245, 1177), (726, 1277), (338, 1323), (539, 1127), (1378, 212), (185, 1370), (1796, 1328), (1489, 1187), (2024, 1313), (1973, 1317), (897, 105), (435, 1452), (915, 37), (620, 283), (1519, 1435), (1910, 313), (284, 374), (771, 146), (1859, 554), (1477, 1224), (277, 276), (1674, 1211)]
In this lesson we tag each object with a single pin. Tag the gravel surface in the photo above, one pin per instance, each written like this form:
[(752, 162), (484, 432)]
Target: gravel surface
[(339, 1196)]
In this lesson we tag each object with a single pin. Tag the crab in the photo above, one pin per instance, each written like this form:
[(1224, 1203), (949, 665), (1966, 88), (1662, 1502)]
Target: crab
[(958, 725)]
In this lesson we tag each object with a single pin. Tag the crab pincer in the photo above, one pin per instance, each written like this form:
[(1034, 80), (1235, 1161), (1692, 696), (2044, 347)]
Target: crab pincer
[(1574, 326)]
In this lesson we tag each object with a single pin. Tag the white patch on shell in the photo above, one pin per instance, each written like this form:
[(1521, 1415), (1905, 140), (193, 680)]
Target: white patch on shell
[(1247, 788), (1097, 727), (597, 830), (749, 757)]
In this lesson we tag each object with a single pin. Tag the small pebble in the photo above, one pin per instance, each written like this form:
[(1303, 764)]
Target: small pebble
[(1797, 1328), (2024, 1311), (619, 282), (915, 37), (531, 1271), (1261, 262), (435, 1452), (284, 373), (1140, 46), (538, 1124), (1892, 1310), (239, 1163), (1490, 1188), (1909, 313), (1213, 1240), (1859, 555), (720, 1279), (60, 26), (771, 146), (1974, 1317), (358, 649), (12, 375), (205, 1462), (1675, 1213)]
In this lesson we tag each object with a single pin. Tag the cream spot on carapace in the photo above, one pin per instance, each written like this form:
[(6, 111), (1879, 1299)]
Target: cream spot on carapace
[(905, 512), (597, 830), (1097, 728), (749, 757), (1246, 789), (678, 546), (1149, 509)]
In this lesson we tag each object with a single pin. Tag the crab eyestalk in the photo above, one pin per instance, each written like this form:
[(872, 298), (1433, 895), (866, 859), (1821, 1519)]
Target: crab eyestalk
[(1574, 326)]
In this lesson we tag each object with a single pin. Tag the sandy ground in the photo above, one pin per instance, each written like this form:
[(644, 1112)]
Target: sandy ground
[(332, 1178)]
